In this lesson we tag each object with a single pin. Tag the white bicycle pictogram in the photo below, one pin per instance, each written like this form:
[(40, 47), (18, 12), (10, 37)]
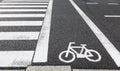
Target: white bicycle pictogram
[(71, 54)]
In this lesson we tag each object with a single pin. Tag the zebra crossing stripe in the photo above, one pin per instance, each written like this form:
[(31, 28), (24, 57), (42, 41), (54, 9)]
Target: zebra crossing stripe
[(20, 6), (23, 10), (21, 15), (15, 58), (19, 35), (21, 23), (23, 3)]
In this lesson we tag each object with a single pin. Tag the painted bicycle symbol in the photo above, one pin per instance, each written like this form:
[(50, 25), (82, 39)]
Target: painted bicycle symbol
[(71, 54)]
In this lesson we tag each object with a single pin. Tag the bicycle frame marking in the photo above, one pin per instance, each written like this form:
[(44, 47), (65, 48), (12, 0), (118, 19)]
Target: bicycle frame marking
[(79, 55)]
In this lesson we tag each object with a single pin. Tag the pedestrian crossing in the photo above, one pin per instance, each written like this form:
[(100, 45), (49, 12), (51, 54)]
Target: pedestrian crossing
[(20, 25)]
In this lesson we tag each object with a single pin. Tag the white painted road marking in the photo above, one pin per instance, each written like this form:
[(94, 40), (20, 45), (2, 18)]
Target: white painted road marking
[(21, 23), (19, 35), (111, 15), (91, 3), (41, 52), (15, 58), (81, 54), (111, 49), (21, 15), (19, 58), (22, 3), (112, 3), (22, 10), (21, 6)]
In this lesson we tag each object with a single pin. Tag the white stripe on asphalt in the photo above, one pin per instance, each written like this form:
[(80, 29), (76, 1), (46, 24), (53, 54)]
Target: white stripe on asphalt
[(112, 3), (21, 23), (21, 15), (23, 10), (22, 3), (19, 35), (111, 49), (111, 15), (91, 3), (41, 52), (15, 58), (21, 6)]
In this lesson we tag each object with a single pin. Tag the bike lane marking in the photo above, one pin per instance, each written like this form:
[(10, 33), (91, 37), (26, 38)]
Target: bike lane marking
[(111, 49), (41, 52), (84, 53)]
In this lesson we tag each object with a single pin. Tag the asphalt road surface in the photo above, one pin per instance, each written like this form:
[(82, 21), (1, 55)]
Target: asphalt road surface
[(94, 23), (69, 26)]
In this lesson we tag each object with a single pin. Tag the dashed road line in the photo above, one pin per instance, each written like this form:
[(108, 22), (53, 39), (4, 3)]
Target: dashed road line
[(41, 53), (110, 48), (93, 3), (112, 16), (113, 3)]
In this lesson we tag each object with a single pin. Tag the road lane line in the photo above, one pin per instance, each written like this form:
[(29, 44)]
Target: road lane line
[(21, 23), (23, 10), (19, 35), (22, 3), (110, 48), (91, 3), (21, 15), (112, 3), (15, 58), (111, 15), (41, 52), (21, 6)]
